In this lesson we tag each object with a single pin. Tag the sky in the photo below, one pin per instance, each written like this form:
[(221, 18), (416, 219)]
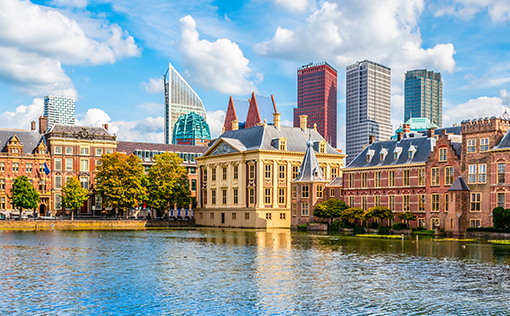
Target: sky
[(110, 55)]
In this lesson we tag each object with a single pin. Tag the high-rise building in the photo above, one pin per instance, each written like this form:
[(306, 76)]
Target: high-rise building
[(424, 95), (59, 110), (317, 98), (368, 103), (191, 129), (180, 99)]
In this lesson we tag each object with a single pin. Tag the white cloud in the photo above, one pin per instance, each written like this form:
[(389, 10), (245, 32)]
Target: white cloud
[(215, 119), (480, 107), (218, 65), (287, 123), (293, 5), (23, 115), (94, 117), (505, 97), (155, 85), (498, 10)]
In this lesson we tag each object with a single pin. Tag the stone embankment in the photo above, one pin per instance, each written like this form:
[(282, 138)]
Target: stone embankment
[(91, 224)]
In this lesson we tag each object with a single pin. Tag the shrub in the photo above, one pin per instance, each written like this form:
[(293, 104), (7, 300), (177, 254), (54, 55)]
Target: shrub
[(414, 229), (383, 230), (301, 227), (488, 229), (399, 226), (347, 225), (335, 225), (359, 230), (374, 225)]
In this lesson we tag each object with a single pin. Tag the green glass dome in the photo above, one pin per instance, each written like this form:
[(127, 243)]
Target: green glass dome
[(189, 129)]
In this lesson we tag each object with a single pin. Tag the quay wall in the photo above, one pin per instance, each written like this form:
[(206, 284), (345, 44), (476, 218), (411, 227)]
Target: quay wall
[(90, 224)]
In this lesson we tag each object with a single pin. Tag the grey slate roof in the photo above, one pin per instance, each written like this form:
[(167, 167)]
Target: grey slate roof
[(63, 128), (336, 182), (30, 139), (459, 185), (504, 142), (260, 137), (310, 169), (449, 130), (422, 147)]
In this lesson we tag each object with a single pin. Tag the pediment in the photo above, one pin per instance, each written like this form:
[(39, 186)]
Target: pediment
[(223, 149)]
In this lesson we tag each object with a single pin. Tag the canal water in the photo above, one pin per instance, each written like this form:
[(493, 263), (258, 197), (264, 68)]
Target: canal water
[(235, 272)]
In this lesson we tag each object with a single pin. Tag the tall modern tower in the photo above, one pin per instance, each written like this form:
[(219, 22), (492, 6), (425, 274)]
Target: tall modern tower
[(368, 103), (424, 95), (180, 99), (317, 98), (59, 110)]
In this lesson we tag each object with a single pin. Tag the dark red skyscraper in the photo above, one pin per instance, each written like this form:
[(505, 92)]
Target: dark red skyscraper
[(317, 99)]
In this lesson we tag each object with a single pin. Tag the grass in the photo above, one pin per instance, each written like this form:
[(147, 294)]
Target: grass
[(423, 232), (501, 242), (453, 239), (380, 236)]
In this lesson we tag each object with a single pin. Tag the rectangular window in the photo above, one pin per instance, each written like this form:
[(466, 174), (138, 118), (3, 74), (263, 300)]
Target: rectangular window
[(234, 216), (482, 169), (267, 195), (434, 176), (282, 145), (212, 215), (421, 176), (351, 201), (391, 178), (322, 148), (98, 163), (58, 150), (192, 170), (332, 192), (2, 203), (84, 165), (406, 177), (252, 171), (484, 144), (406, 204), (2, 166), (29, 167), (58, 205), (84, 181), (476, 202), (501, 199), (268, 216), (364, 202), (69, 150), (281, 195), (58, 164), (435, 203), (282, 216), (471, 145), (224, 173), (236, 196), (69, 164), (501, 173), (2, 184), (213, 197), (377, 176), (213, 174), (236, 172), (58, 182), (246, 216), (476, 223), (391, 202), (334, 172), (363, 179), (84, 151), (446, 202), (109, 151), (323, 170), (268, 171), (421, 203), (472, 174), (193, 185), (434, 222), (205, 176), (305, 191), (319, 191), (224, 196), (448, 175), (304, 209), (293, 209), (15, 166), (99, 151), (351, 180), (377, 200), (281, 174), (251, 192), (295, 172), (294, 189), (442, 154)]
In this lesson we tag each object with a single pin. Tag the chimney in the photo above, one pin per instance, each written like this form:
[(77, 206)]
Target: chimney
[(105, 126), (235, 125), (400, 135), (43, 124), (302, 122), (406, 128), (371, 139), (315, 127), (430, 132), (32, 126), (276, 121)]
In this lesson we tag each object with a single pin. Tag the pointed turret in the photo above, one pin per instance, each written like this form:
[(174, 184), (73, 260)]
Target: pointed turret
[(230, 116), (253, 116), (310, 170)]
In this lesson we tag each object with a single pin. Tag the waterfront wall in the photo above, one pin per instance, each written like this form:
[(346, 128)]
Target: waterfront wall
[(90, 224)]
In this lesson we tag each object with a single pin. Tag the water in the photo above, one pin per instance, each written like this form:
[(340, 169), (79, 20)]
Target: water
[(232, 272)]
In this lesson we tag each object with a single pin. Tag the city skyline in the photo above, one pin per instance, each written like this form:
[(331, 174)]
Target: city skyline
[(116, 76)]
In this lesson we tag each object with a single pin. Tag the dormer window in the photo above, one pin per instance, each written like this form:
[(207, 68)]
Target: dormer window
[(397, 152), (282, 144), (411, 152), (322, 148), (410, 155), (370, 154), (279, 143), (382, 154)]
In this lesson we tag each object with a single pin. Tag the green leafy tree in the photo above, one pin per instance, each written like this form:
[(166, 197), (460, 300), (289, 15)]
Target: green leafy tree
[(352, 213), (120, 181), (329, 209), (23, 194), (378, 212), (73, 195), (406, 217), (168, 182)]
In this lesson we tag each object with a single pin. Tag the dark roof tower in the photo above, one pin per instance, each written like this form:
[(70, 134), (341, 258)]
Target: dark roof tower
[(310, 170)]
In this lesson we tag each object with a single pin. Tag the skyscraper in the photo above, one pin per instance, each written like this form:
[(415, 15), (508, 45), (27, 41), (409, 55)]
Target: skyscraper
[(368, 103), (317, 98), (59, 110), (424, 95), (180, 99)]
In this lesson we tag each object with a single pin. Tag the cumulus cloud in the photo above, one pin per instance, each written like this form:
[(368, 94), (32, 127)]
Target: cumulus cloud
[(23, 115), (505, 97), (218, 65), (215, 119), (498, 10), (350, 31), (35, 41), (293, 5), (475, 108), (155, 85)]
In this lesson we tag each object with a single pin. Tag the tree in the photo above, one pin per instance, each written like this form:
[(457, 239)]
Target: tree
[(379, 212), (352, 213), (168, 182), (73, 195), (330, 209), (119, 180), (23, 194), (407, 216)]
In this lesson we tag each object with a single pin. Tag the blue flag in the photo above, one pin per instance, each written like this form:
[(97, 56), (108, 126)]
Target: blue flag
[(46, 169)]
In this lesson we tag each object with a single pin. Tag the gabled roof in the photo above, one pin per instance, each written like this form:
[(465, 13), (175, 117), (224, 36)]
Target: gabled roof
[(230, 116), (30, 139), (336, 182), (310, 170), (253, 116), (504, 143), (459, 185)]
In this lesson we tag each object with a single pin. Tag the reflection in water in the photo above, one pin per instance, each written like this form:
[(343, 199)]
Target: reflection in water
[(221, 271)]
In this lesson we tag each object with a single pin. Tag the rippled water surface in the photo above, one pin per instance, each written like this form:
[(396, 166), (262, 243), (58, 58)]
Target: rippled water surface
[(231, 272)]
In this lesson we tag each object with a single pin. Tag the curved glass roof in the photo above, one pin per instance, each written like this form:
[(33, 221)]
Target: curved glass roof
[(190, 127)]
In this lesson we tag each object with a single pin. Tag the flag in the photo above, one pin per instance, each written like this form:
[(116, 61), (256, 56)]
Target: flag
[(46, 169)]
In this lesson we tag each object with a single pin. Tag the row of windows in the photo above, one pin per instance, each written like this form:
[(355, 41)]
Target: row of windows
[(471, 145), (84, 164), (42, 184), (29, 167), (84, 151), (269, 216)]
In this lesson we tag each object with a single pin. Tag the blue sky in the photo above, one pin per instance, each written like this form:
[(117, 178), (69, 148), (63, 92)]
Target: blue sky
[(111, 54)]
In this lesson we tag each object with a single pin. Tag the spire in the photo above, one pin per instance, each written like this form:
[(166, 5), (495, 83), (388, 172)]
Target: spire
[(230, 116), (310, 170), (253, 117)]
